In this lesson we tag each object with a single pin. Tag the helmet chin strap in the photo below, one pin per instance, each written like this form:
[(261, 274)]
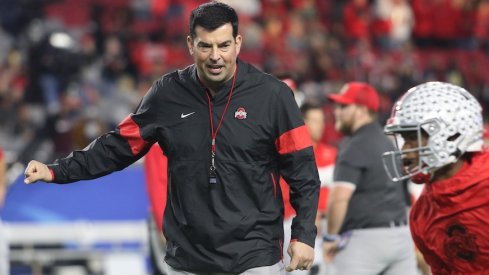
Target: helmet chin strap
[(422, 177)]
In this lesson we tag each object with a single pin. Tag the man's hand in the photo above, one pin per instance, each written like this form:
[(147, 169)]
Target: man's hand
[(301, 256), (37, 171), (329, 250)]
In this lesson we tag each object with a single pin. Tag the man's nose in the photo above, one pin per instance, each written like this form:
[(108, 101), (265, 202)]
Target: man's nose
[(215, 55), (408, 144)]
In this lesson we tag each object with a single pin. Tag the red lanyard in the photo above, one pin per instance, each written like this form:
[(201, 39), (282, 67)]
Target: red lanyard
[(214, 133), (212, 167)]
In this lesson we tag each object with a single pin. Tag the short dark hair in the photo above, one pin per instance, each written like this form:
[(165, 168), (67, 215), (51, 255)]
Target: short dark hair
[(308, 106), (213, 15)]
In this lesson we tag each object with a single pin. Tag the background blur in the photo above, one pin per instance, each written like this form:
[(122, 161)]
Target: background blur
[(73, 69)]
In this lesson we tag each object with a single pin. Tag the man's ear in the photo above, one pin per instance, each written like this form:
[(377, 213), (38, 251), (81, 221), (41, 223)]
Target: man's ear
[(239, 40), (190, 45)]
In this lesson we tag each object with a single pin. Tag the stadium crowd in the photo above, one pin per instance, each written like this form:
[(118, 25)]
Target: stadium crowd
[(70, 70)]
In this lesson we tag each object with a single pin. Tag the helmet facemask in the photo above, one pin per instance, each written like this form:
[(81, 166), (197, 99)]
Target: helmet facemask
[(421, 159)]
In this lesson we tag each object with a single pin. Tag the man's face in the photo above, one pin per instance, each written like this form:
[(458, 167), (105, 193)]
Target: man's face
[(344, 115), (407, 141), (314, 120), (214, 54)]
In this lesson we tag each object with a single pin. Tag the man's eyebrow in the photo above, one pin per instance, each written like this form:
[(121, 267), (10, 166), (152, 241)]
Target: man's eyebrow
[(225, 43), (201, 43), (410, 135)]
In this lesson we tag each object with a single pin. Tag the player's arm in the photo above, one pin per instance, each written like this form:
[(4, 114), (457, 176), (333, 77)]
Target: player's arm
[(338, 205), (347, 174)]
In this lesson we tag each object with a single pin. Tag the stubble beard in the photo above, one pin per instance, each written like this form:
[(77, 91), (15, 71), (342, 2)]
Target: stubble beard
[(343, 128)]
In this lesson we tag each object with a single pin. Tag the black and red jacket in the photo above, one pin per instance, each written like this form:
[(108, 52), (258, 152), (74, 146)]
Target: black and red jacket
[(235, 224)]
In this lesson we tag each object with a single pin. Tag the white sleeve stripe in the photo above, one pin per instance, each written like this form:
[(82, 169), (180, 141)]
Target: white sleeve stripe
[(345, 184), (326, 175)]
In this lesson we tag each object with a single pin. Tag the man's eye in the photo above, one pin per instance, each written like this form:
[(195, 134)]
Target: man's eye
[(411, 138)]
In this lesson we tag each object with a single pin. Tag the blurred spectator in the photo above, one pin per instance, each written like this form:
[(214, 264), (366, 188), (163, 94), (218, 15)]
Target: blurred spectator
[(5, 44), (398, 18), (423, 28), (12, 79), (330, 135), (466, 25), (446, 33), (481, 30), (52, 64), (87, 128), (296, 35), (357, 18), (298, 95), (116, 62), (248, 8)]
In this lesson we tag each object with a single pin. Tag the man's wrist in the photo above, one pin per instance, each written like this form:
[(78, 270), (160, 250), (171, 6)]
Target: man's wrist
[(329, 238)]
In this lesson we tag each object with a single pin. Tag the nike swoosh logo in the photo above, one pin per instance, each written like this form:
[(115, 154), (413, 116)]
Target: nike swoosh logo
[(186, 115)]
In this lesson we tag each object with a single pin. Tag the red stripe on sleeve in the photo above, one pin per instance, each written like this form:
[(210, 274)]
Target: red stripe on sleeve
[(52, 174), (155, 168), (293, 140), (131, 132)]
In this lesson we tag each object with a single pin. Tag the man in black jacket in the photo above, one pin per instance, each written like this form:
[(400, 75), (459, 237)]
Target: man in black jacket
[(228, 131)]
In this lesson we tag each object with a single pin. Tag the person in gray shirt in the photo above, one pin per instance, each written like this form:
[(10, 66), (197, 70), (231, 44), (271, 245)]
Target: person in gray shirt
[(367, 216)]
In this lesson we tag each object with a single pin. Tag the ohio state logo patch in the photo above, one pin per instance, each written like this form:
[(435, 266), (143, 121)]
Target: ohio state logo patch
[(240, 113)]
